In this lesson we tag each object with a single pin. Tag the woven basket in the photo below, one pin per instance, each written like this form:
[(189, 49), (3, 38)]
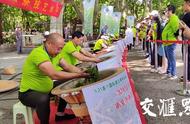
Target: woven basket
[(6, 85), (80, 110), (73, 98), (9, 70)]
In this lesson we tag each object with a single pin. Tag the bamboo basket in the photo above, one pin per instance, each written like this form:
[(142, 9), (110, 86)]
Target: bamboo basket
[(9, 70), (74, 96), (6, 85)]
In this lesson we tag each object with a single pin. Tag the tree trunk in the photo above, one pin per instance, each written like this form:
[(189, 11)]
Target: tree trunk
[(145, 10), (1, 28), (150, 5), (79, 13), (96, 9), (56, 24)]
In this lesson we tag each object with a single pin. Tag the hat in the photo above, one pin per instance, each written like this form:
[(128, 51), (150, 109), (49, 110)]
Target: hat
[(154, 13), (104, 37), (46, 33)]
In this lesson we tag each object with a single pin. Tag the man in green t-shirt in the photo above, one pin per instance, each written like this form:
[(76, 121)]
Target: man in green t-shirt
[(37, 78), (101, 43), (169, 33), (72, 52)]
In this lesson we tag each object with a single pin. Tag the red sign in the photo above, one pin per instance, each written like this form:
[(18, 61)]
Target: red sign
[(47, 7)]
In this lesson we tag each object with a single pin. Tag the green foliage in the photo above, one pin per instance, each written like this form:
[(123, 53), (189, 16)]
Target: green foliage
[(94, 76), (69, 14), (162, 4), (13, 16), (9, 38)]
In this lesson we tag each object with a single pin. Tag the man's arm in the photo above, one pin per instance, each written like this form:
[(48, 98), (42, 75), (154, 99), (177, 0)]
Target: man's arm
[(84, 58), (68, 67), (86, 53), (48, 69)]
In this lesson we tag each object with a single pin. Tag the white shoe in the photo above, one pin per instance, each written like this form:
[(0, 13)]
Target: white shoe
[(167, 76), (161, 72), (152, 70), (173, 77)]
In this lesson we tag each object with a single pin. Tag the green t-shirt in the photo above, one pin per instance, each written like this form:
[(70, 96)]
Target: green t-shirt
[(134, 32), (154, 33), (171, 27), (56, 62), (67, 51), (98, 44), (32, 77)]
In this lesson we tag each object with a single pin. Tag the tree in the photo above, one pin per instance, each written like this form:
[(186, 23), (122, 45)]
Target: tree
[(1, 29)]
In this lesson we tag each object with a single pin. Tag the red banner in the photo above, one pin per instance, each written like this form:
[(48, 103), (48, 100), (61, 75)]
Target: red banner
[(47, 7)]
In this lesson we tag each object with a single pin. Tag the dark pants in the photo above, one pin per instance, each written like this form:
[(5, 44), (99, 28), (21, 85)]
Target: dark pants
[(129, 46), (134, 40), (41, 102), (19, 46), (153, 57), (148, 47), (143, 44), (188, 62)]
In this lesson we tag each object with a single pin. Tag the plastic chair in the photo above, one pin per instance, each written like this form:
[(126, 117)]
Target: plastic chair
[(19, 108)]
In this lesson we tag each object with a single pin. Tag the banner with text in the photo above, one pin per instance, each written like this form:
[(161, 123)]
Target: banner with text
[(88, 16), (110, 63), (106, 15), (130, 21), (115, 23), (112, 101), (47, 7)]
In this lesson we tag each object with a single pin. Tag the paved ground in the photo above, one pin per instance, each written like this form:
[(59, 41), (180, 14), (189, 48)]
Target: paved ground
[(149, 85), (155, 87), (8, 99)]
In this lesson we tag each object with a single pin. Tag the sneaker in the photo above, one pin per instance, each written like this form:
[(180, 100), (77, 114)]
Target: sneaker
[(166, 75), (173, 77), (153, 70), (65, 117), (160, 71)]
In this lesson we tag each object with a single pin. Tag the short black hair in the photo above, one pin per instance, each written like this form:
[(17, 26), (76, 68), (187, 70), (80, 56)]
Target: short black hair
[(187, 1), (77, 34), (171, 8)]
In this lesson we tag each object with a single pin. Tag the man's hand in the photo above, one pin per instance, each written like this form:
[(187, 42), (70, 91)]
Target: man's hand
[(98, 60), (186, 29), (83, 75), (186, 33), (182, 25)]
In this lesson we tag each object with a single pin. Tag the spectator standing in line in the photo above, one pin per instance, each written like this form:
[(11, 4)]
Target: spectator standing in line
[(134, 35), (186, 20), (18, 33), (129, 37), (168, 34)]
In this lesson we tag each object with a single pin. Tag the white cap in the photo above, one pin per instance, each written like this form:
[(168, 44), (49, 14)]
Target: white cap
[(46, 33), (154, 13), (104, 37)]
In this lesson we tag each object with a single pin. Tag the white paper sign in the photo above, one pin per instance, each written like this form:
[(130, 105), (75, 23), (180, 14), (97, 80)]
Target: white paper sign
[(119, 53), (112, 102), (121, 45), (108, 64)]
